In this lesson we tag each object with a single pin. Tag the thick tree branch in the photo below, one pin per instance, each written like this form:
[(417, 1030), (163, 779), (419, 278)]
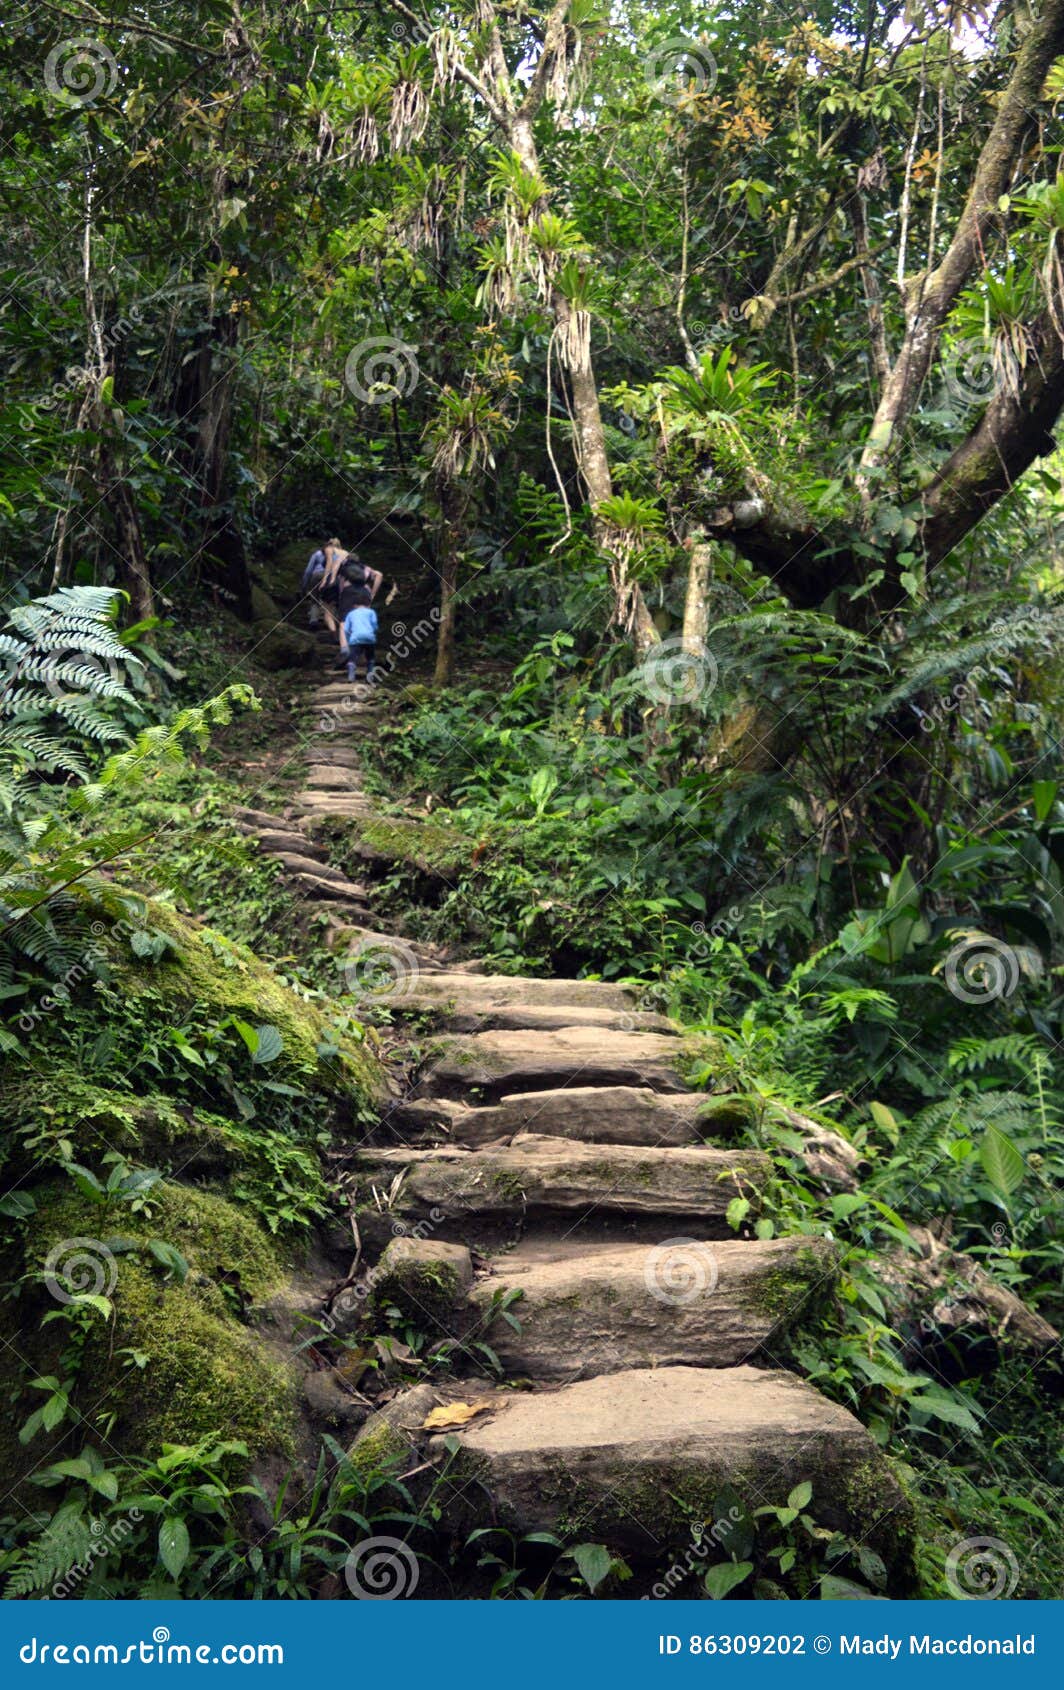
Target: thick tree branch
[(929, 304), (553, 44), (1013, 431)]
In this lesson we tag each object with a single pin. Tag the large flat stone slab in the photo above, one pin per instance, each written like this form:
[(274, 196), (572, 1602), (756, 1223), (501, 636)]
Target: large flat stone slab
[(330, 777), (342, 805), (499, 991), (591, 1114), (331, 890), (316, 865), (632, 1458), (281, 841), (536, 1173), (496, 1063), (541, 1018), (599, 1308)]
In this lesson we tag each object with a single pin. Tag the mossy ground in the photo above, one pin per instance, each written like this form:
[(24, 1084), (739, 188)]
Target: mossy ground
[(206, 1373)]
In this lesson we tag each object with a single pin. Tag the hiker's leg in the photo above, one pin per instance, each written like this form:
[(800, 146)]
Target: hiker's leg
[(371, 654)]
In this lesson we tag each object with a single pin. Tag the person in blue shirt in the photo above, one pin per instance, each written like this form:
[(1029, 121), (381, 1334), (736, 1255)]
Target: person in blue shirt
[(360, 633)]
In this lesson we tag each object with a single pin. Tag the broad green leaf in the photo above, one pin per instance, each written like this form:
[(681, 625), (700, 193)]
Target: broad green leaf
[(174, 1544), (835, 1589), (269, 1044), (594, 1562), (722, 1579), (1002, 1163)]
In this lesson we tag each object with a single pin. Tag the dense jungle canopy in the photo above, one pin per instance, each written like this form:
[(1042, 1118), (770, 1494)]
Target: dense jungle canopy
[(690, 375)]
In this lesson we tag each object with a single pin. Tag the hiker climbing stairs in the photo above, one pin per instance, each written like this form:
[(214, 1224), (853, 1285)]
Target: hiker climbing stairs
[(541, 1184)]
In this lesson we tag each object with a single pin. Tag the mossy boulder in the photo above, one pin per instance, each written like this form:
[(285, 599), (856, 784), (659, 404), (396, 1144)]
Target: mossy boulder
[(433, 849), (218, 978), (281, 574), (426, 1279), (175, 1361), (279, 645)]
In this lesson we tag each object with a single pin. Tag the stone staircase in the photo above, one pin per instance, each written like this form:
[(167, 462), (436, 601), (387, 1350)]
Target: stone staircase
[(543, 1186)]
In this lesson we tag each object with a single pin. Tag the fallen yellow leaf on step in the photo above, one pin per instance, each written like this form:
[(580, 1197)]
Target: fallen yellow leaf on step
[(454, 1414)]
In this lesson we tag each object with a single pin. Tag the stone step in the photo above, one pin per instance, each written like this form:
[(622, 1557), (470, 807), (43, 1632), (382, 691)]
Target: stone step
[(335, 756), (634, 1459), (599, 1308), (257, 819), (351, 938), (464, 1018), (304, 864), (505, 991), (333, 891), (343, 805), (358, 699), (496, 1063), (325, 777), (277, 841), (591, 1114), (538, 1173)]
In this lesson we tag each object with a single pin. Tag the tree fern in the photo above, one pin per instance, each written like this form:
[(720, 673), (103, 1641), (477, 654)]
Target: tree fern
[(51, 710)]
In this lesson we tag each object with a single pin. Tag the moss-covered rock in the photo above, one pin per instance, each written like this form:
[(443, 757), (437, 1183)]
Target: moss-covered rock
[(206, 1373), (280, 645), (431, 848), (219, 978), (426, 1279)]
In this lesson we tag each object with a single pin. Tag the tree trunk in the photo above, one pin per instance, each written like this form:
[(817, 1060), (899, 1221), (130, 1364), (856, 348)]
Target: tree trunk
[(204, 401), (448, 554), (696, 604), (128, 535), (589, 437)]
